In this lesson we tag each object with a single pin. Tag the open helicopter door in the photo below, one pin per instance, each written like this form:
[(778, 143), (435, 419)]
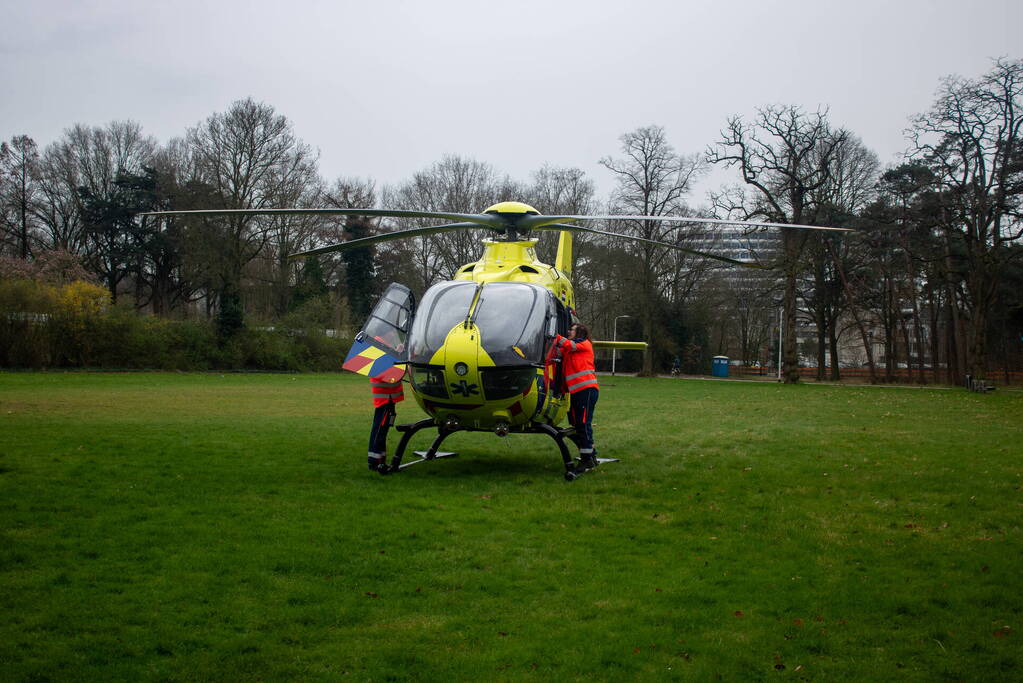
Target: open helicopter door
[(380, 349)]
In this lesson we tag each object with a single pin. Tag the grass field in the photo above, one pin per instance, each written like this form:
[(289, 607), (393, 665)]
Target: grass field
[(211, 527)]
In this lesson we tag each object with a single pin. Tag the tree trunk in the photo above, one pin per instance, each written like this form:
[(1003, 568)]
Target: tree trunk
[(835, 374), (953, 367), (905, 341), (790, 361)]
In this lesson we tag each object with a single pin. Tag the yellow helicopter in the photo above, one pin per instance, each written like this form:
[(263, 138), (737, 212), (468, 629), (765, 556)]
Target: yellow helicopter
[(478, 349)]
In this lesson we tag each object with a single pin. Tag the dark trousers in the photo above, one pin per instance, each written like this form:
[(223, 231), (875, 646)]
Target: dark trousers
[(580, 416), (383, 418)]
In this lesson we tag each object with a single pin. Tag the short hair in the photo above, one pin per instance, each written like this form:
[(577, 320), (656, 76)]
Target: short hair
[(582, 332)]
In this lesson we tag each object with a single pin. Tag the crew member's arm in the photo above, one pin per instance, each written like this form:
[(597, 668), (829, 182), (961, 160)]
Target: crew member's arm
[(565, 344)]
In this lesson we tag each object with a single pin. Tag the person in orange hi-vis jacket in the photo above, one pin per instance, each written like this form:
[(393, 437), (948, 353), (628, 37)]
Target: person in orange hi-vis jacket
[(581, 378), (385, 395)]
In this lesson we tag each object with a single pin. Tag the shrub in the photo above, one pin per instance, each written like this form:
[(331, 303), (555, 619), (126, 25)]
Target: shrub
[(78, 320), (26, 307), (73, 325)]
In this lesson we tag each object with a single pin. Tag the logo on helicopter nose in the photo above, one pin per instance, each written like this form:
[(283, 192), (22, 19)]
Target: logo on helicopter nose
[(464, 388)]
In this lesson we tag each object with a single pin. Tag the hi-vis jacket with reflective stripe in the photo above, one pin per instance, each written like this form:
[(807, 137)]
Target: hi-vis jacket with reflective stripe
[(385, 392), (579, 368)]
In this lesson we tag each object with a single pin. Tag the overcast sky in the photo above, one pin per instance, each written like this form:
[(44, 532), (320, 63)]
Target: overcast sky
[(386, 88)]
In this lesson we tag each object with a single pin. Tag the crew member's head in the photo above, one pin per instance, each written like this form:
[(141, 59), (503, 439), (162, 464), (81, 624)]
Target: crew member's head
[(578, 331)]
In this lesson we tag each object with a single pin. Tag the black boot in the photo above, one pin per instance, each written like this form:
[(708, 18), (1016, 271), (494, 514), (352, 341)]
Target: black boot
[(587, 461)]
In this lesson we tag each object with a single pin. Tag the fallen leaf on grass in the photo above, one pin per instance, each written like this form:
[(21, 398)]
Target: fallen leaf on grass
[(373, 595), (739, 613), (1002, 632)]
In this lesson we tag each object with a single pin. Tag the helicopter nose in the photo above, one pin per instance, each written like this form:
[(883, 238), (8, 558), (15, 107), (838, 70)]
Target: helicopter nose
[(461, 349)]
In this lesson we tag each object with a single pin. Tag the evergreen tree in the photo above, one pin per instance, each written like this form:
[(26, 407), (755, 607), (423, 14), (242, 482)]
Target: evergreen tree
[(360, 270)]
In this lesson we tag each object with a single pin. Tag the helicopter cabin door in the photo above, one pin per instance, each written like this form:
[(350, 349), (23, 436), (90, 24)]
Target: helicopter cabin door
[(380, 349)]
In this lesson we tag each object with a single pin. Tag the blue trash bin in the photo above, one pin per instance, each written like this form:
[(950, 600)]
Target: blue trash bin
[(719, 368)]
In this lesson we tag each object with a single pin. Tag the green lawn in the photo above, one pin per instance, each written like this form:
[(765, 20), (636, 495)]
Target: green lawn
[(224, 527)]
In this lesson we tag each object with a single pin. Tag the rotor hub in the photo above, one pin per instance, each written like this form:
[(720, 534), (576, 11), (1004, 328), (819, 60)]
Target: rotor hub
[(512, 213)]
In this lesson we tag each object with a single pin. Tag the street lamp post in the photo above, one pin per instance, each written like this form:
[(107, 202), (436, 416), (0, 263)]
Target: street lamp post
[(614, 352)]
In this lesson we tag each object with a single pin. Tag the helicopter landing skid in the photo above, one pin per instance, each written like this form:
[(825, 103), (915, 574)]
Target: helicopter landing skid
[(408, 431), (573, 469)]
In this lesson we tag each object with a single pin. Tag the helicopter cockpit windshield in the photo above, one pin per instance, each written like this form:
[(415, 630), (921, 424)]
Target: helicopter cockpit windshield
[(443, 306), (510, 317)]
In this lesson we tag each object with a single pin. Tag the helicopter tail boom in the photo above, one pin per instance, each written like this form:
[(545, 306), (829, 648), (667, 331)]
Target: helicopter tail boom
[(620, 345)]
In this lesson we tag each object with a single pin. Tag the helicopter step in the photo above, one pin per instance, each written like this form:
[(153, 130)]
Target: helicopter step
[(440, 454), (579, 467), (424, 456)]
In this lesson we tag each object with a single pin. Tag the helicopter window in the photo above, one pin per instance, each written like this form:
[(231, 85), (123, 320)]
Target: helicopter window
[(387, 326), (506, 382), (510, 317), (528, 269), (443, 306), (564, 318), (429, 381)]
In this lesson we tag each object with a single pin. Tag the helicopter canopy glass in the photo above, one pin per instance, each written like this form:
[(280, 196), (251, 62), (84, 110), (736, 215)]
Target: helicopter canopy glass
[(443, 306), (510, 317), (388, 323)]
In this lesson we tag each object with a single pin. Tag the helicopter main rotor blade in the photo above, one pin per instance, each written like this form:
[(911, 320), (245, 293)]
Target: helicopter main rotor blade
[(579, 228), (484, 220), (537, 222), (386, 237)]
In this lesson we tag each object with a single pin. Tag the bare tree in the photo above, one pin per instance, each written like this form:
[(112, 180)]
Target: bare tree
[(58, 211), (850, 187), (971, 141), (787, 157), (558, 191), (19, 191), (653, 180), (251, 158), (452, 184), (88, 162)]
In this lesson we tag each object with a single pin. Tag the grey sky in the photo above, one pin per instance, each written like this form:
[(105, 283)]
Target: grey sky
[(384, 89)]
